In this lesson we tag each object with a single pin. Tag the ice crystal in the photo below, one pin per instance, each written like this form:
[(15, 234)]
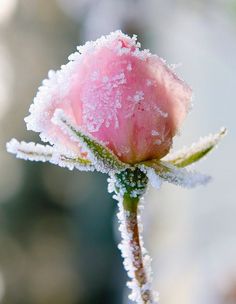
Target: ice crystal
[(162, 113), (196, 151), (38, 152), (102, 101), (129, 251), (167, 172), (131, 182), (129, 67), (154, 179)]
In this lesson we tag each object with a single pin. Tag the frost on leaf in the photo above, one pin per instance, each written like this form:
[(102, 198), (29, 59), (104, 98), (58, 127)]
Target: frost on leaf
[(170, 173), (37, 152), (103, 159), (187, 156)]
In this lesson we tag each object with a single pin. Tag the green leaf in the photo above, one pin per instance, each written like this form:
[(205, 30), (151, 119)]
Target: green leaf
[(197, 151), (103, 159)]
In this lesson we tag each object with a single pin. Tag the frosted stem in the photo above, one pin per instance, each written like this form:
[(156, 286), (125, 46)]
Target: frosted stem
[(136, 260)]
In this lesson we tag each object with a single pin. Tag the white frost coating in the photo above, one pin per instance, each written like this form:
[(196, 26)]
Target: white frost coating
[(36, 152), (155, 133), (129, 251), (153, 178), (129, 67), (204, 143), (162, 113), (134, 101), (105, 164), (57, 84), (186, 179), (149, 82), (177, 176), (30, 151), (132, 47), (138, 96), (101, 104)]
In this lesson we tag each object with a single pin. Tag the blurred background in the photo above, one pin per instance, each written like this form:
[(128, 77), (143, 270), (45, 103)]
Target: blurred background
[(58, 229)]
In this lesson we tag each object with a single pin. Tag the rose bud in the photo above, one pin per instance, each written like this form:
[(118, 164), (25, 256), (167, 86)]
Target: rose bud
[(123, 96)]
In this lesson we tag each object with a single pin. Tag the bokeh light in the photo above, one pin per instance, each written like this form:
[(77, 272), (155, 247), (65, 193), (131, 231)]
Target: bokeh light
[(7, 9)]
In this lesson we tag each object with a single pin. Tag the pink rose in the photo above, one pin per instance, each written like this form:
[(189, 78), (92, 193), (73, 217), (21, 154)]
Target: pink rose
[(125, 97), (112, 96)]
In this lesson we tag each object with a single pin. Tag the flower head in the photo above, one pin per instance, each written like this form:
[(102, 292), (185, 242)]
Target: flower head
[(123, 96)]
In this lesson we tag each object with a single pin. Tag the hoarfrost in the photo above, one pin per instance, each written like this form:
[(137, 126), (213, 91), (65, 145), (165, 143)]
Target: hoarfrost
[(149, 82), (37, 152), (131, 48), (155, 133), (130, 252), (103, 159), (154, 179), (204, 143), (30, 151), (134, 101), (129, 67), (179, 176), (103, 107), (186, 179), (162, 113)]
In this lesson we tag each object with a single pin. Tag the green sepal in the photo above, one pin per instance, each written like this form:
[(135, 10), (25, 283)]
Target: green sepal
[(197, 151), (45, 153), (131, 183), (168, 172), (103, 159)]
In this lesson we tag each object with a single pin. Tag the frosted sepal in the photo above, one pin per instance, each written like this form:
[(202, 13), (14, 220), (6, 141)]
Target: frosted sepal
[(42, 153), (131, 182), (103, 159), (196, 151), (172, 174)]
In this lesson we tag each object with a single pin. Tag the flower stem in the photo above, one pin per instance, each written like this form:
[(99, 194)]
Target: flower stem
[(135, 257)]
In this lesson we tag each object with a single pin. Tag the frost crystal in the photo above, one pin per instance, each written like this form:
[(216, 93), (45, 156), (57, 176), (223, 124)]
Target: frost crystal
[(100, 156), (154, 179), (37, 152), (136, 259), (160, 170), (102, 101), (134, 101), (131, 181), (196, 151), (130, 253)]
